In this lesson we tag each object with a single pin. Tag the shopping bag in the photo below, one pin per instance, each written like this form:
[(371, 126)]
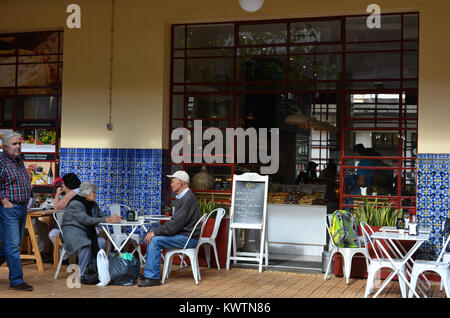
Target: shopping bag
[(103, 268), (123, 272)]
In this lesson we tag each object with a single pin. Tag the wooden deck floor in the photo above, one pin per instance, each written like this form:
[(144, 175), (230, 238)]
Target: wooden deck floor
[(234, 283)]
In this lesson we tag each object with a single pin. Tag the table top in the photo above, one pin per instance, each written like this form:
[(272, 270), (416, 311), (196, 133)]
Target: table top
[(129, 223), (401, 237), (42, 212)]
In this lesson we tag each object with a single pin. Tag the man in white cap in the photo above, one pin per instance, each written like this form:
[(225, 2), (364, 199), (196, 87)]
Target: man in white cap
[(175, 232)]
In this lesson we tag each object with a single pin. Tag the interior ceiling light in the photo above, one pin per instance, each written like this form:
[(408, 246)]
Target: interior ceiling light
[(306, 122), (251, 5)]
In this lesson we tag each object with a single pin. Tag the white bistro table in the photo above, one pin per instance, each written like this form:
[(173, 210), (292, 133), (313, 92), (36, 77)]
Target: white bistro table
[(134, 226), (390, 237)]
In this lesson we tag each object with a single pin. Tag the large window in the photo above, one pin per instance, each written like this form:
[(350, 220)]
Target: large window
[(359, 85), (30, 99)]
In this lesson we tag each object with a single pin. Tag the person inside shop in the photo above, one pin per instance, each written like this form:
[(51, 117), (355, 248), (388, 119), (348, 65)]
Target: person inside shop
[(174, 233), (364, 177), (79, 222), (328, 177), (15, 192), (308, 176)]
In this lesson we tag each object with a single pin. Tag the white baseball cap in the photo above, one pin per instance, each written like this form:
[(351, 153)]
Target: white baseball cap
[(180, 174)]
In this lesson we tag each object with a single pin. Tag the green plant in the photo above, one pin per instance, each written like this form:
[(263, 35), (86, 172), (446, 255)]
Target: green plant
[(373, 214), (207, 206)]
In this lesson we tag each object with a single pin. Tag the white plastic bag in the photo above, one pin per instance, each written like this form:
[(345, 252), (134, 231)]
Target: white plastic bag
[(103, 268)]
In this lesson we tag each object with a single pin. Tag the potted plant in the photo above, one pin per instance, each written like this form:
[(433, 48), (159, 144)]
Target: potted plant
[(375, 215), (207, 206)]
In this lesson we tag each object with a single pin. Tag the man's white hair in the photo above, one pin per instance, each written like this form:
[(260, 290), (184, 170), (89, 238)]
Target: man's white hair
[(8, 136)]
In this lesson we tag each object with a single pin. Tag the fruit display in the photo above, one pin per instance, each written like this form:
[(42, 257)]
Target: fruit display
[(301, 198)]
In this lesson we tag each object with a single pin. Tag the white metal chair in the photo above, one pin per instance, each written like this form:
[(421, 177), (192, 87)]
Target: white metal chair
[(206, 241), (58, 215), (117, 235), (346, 252), (438, 266), (446, 257), (381, 260), (189, 252)]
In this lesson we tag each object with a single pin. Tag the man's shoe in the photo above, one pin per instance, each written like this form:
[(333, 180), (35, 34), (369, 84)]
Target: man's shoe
[(147, 282), (22, 287)]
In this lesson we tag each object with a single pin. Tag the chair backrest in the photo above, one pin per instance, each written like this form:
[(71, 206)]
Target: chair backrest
[(367, 231), (328, 219), (58, 215), (200, 221), (220, 214), (115, 209), (441, 254)]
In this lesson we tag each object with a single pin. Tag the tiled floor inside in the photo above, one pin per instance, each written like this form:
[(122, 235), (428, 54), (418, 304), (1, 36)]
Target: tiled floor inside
[(238, 282)]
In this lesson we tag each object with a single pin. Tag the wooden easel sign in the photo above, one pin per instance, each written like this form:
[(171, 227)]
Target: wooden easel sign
[(248, 211)]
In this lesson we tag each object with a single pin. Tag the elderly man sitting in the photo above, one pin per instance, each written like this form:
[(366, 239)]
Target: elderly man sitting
[(79, 222), (174, 233)]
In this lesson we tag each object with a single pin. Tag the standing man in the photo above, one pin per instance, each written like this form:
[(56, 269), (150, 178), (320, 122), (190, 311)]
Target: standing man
[(15, 192), (174, 233)]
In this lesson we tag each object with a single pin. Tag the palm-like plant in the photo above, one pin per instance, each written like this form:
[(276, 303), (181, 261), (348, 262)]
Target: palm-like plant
[(374, 214)]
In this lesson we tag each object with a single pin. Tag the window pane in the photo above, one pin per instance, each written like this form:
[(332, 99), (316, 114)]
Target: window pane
[(410, 63), (261, 69), (410, 103), (8, 75), (178, 70), (358, 31), (317, 67), (273, 33), (262, 51), (209, 52), (178, 106), (377, 181), (213, 70), (384, 143), (34, 75), (178, 37), (373, 65), (210, 107), (6, 108), (38, 107), (219, 178), (316, 31), (410, 26), (373, 47), (373, 106), (210, 35), (310, 49)]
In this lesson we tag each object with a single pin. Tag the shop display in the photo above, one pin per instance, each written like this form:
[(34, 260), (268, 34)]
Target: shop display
[(304, 194)]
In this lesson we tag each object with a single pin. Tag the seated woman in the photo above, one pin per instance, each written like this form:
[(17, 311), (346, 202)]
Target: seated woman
[(70, 186), (78, 225)]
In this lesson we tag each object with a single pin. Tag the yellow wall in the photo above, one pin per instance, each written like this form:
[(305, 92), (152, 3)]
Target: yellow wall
[(142, 61)]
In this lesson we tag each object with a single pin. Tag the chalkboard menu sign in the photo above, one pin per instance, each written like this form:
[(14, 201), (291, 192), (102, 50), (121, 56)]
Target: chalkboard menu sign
[(248, 211), (249, 199)]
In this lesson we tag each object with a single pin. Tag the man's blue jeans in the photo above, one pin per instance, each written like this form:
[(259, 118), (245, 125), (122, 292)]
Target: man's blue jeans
[(153, 255), (12, 227)]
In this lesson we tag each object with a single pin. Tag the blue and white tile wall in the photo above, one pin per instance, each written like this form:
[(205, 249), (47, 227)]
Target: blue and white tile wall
[(134, 177), (432, 199)]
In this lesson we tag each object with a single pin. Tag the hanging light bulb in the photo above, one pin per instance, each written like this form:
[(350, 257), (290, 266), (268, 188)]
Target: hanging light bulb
[(251, 5)]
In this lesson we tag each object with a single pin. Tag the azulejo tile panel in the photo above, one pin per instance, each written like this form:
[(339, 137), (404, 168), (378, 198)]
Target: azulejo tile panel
[(432, 199), (134, 177)]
